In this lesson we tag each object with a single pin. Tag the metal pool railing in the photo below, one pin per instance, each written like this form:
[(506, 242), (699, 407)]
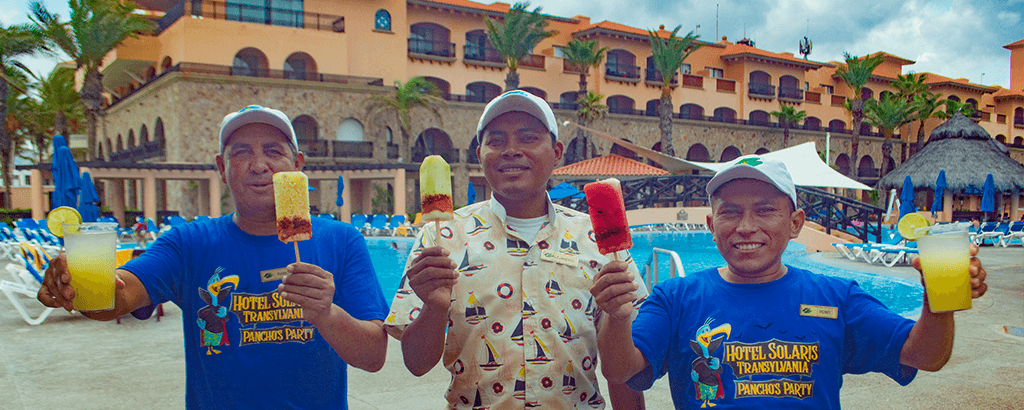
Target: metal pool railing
[(651, 272)]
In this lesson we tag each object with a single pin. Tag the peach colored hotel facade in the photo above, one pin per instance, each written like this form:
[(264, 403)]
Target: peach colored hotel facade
[(319, 61)]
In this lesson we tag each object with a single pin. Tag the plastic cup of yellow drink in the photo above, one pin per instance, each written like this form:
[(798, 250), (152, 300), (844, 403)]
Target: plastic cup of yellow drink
[(945, 261), (91, 255)]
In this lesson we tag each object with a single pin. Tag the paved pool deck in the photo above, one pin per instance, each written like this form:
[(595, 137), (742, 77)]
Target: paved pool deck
[(75, 363)]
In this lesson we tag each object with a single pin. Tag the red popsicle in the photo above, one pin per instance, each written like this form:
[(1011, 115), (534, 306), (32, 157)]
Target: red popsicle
[(608, 215)]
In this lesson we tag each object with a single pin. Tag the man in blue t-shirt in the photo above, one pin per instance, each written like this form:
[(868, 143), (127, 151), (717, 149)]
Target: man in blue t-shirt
[(261, 330), (756, 333)]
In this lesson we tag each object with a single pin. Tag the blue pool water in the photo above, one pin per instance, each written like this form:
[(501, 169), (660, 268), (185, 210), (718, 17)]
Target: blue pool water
[(697, 252)]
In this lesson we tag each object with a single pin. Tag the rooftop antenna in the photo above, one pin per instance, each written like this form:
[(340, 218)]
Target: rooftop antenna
[(716, 21), (982, 79), (696, 30)]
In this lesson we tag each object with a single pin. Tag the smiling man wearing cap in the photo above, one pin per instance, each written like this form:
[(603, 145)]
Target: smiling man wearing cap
[(251, 343), (757, 333), (502, 298)]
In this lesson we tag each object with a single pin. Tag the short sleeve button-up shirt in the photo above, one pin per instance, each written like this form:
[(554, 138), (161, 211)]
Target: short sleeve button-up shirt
[(522, 322)]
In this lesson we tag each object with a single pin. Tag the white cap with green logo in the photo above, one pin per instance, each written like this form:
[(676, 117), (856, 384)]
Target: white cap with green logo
[(756, 167)]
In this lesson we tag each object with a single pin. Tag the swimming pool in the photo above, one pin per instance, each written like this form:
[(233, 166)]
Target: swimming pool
[(697, 252)]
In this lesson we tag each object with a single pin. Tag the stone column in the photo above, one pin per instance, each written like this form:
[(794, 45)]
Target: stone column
[(1014, 204), (947, 206), (117, 200), (36, 182), (460, 184), (345, 211), (214, 196), (203, 198), (149, 198), (399, 192), (315, 196)]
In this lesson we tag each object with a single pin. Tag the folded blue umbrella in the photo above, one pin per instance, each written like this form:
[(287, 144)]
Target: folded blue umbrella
[(341, 188), (89, 200), (907, 198), (988, 195), (66, 179), (940, 190), (564, 190), (470, 194)]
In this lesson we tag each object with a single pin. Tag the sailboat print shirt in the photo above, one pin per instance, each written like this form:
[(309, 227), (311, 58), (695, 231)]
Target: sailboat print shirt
[(522, 322)]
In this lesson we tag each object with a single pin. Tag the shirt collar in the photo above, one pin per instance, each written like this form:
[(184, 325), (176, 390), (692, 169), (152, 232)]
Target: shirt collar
[(499, 210)]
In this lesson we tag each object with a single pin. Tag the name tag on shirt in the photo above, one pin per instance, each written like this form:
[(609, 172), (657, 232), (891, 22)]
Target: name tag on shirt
[(558, 257), (273, 274), (825, 312)]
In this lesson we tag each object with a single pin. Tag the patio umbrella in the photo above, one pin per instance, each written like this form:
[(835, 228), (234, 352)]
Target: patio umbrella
[(89, 205), (66, 179), (470, 194), (341, 188), (988, 195), (940, 190), (907, 198), (563, 190)]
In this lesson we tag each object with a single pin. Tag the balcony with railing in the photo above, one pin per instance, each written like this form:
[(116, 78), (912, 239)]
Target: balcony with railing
[(483, 56), (451, 156), (791, 94), (725, 85), (758, 90), (251, 14), (838, 100), (534, 61), (654, 78), (868, 173), (570, 68), (811, 96), (428, 49), (622, 72), (1018, 122), (352, 149), (144, 151), (694, 81)]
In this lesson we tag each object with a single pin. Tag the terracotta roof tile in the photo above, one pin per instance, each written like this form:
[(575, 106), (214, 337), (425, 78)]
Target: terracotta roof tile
[(735, 50), (609, 165), (935, 79), (1004, 93), (1014, 45), (498, 7)]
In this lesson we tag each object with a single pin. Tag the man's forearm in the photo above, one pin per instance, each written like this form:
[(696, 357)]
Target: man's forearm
[(360, 343), (620, 359), (132, 296), (423, 340), (930, 342)]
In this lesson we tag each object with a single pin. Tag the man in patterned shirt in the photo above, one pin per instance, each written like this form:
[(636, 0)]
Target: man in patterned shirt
[(502, 297)]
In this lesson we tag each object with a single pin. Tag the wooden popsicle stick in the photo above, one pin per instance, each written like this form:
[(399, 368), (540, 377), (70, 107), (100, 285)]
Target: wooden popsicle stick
[(296, 251), (437, 238)]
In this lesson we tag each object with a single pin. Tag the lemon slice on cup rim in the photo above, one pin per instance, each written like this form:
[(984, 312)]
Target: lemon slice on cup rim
[(58, 217), (909, 226)]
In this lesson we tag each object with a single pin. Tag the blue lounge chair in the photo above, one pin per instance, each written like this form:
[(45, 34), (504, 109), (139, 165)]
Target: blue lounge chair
[(359, 221), (396, 221), (26, 283), (890, 256), (377, 225), (1014, 232), (988, 230), (327, 216)]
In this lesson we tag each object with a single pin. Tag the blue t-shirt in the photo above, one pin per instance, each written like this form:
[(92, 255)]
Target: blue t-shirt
[(245, 347), (781, 344)]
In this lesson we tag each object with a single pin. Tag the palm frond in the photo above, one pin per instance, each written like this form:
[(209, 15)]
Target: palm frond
[(670, 53)]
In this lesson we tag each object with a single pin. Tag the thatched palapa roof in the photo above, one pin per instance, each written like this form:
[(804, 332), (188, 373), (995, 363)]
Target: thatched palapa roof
[(968, 154)]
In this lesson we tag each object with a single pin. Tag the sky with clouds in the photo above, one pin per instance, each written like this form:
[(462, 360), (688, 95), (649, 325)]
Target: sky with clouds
[(953, 38)]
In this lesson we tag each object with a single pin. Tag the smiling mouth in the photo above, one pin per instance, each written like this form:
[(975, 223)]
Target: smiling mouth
[(747, 246), (513, 169)]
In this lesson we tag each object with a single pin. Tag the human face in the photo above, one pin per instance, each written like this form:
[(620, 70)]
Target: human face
[(517, 155), (253, 153), (752, 222)]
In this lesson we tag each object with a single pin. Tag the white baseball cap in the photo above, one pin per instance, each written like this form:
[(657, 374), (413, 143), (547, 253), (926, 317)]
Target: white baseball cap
[(257, 114), (771, 171), (518, 100)]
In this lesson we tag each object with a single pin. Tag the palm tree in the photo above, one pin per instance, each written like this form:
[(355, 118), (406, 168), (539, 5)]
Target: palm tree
[(892, 112), (59, 99), (516, 37), (856, 74), (927, 105), (788, 116), (417, 92), (14, 105), (668, 55), (911, 86), (584, 55), (588, 109), (15, 41), (954, 107), (95, 28)]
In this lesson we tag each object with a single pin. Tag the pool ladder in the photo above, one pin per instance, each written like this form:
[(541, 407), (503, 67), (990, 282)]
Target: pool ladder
[(651, 275)]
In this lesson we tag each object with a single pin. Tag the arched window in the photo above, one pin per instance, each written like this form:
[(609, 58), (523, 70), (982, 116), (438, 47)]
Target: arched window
[(691, 112), (443, 88), (652, 107), (300, 66), (865, 128), (110, 147), (759, 117), (812, 123), (431, 39), (866, 94), (250, 62), (725, 114), (479, 48), (382, 20), (884, 94), (620, 104), (166, 64), (953, 98), (866, 168), (653, 75), (843, 163), (837, 126), (471, 156), (729, 153), (535, 91), (762, 151), (1018, 141), (433, 141), (570, 151), (789, 87), (349, 130), (761, 84), (143, 135), (150, 73), (99, 151), (158, 130), (307, 133), (698, 153), (482, 92), (621, 63), (567, 100), (623, 151), (1001, 138), (120, 143), (131, 138)]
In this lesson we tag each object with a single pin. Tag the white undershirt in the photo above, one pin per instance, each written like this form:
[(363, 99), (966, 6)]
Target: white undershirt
[(528, 228)]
